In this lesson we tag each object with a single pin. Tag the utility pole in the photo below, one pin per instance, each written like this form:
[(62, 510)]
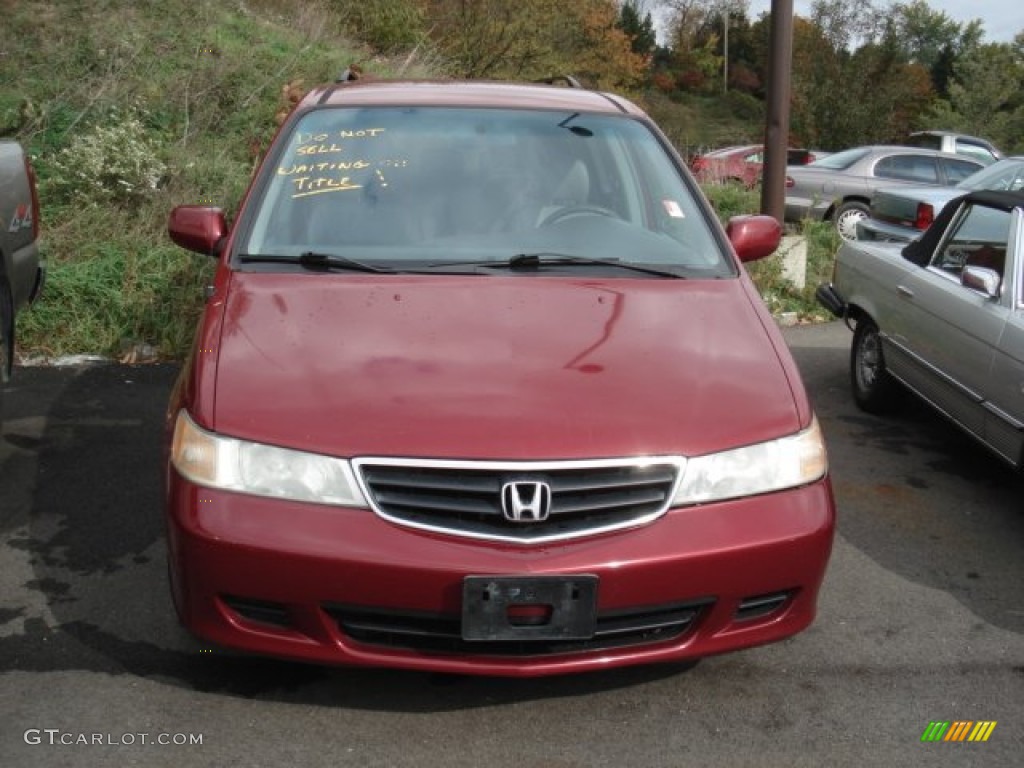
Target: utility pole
[(725, 45), (776, 129)]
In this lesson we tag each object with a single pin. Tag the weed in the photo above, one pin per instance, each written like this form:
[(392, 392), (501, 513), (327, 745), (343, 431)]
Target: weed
[(777, 291), (128, 112)]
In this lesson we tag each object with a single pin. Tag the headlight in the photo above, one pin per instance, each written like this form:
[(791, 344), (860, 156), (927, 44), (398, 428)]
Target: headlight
[(262, 470), (784, 463)]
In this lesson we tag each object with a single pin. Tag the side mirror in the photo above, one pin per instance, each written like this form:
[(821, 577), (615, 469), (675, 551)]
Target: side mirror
[(198, 228), (754, 236), (981, 279)]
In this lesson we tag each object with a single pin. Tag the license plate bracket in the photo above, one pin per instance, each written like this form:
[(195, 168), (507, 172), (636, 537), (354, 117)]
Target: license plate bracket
[(529, 607)]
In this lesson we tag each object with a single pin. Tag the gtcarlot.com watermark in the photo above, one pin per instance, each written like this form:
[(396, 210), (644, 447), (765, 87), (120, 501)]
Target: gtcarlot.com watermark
[(57, 737)]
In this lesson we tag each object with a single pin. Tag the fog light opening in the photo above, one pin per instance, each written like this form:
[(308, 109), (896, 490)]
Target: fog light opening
[(259, 611), (759, 606)]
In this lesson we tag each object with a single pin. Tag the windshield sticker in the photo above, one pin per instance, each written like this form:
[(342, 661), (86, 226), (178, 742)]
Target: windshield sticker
[(672, 209)]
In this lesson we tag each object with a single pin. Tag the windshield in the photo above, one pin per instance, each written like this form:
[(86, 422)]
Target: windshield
[(416, 186), (840, 161), (1007, 175)]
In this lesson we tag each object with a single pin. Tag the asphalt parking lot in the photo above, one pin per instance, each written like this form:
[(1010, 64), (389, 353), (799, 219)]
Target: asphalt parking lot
[(921, 620)]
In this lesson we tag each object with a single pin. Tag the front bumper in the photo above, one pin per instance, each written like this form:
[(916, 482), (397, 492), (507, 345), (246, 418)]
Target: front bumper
[(342, 586), (881, 231), (799, 208), (829, 297)]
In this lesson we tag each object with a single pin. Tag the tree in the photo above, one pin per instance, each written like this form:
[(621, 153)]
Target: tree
[(695, 58), (985, 94), (531, 39), (643, 39), (931, 38), (845, 96)]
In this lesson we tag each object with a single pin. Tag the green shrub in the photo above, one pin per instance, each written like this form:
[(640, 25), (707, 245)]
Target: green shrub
[(732, 200), (778, 293), (110, 161), (387, 25), (743, 106), (119, 292)]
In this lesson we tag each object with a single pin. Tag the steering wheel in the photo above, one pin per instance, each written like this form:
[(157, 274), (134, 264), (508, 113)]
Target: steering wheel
[(577, 210)]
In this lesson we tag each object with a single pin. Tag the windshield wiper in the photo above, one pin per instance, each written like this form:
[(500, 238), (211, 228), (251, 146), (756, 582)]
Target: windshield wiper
[(525, 261), (319, 262), (535, 260)]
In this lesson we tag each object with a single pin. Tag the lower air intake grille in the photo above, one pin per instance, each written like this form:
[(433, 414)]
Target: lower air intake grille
[(261, 611), (431, 633)]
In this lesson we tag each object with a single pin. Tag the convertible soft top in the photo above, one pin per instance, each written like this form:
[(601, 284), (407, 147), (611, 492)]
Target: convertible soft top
[(920, 251)]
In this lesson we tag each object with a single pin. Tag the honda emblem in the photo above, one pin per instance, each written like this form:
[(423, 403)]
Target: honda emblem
[(526, 501)]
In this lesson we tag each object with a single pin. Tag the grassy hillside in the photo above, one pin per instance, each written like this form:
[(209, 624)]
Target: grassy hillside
[(130, 107)]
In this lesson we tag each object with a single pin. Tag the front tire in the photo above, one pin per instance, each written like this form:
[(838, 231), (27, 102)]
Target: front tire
[(6, 332), (874, 389), (847, 216)]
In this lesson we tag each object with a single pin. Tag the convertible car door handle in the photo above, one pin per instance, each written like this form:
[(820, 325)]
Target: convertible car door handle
[(904, 291)]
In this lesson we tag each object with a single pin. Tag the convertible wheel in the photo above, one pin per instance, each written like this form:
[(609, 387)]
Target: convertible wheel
[(6, 333), (578, 210), (846, 217), (874, 389)]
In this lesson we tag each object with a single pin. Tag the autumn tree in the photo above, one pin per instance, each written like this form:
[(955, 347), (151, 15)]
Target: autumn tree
[(692, 58), (531, 39), (853, 82)]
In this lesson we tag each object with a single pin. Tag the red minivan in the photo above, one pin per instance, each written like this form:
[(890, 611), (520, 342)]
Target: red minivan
[(482, 387)]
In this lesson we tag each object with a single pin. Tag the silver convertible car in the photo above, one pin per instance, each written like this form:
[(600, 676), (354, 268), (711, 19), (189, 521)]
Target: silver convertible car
[(943, 316)]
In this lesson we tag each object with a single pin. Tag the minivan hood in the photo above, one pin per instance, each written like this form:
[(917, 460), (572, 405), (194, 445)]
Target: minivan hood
[(507, 367)]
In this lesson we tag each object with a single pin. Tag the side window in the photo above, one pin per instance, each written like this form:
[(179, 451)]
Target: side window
[(925, 140), (977, 151), (958, 170), (979, 239), (919, 168)]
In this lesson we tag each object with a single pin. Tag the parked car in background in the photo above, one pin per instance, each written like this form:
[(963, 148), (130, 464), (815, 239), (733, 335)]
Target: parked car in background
[(21, 274), (483, 387), (943, 316), (839, 187), (956, 143), (743, 164), (902, 214)]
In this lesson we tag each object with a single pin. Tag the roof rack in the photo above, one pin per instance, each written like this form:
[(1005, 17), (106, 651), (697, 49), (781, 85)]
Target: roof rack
[(354, 72), (569, 80)]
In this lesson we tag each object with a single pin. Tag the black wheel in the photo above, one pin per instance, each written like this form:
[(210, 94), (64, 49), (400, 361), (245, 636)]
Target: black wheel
[(6, 332), (874, 389), (846, 217), (578, 210)]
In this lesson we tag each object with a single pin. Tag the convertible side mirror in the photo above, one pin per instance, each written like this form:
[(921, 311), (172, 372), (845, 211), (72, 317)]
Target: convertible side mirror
[(981, 279)]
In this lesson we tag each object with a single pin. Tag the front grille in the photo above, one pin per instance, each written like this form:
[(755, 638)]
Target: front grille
[(433, 633), (465, 498)]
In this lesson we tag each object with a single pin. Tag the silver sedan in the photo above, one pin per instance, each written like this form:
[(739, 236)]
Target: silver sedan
[(901, 214), (839, 187)]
